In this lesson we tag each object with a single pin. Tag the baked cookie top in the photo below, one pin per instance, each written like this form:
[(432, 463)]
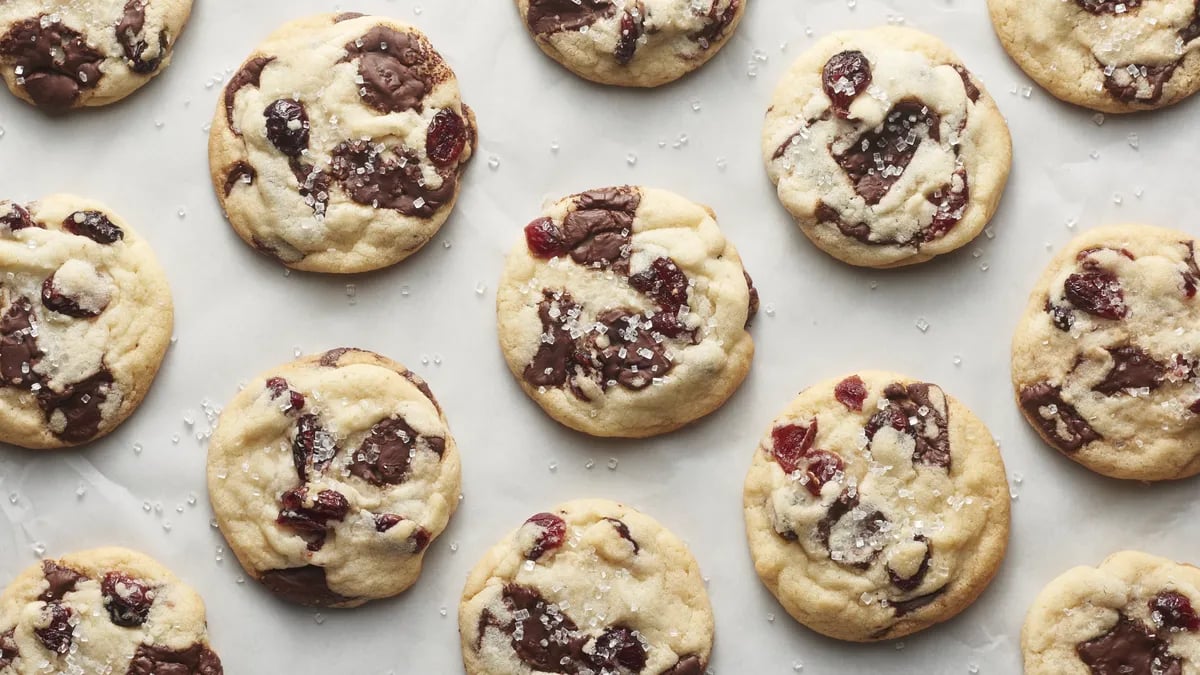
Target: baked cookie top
[(1135, 615), (339, 143), (635, 43), (85, 320), (107, 610), (876, 506), (1110, 55), (591, 587), (59, 54), (1105, 361), (331, 475), (885, 148), (624, 311)]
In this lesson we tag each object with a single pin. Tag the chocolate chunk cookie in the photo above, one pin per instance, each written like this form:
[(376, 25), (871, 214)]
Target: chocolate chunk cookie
[(107, 610), (1115, 56), (876, 506), (85, 320), (1135, 615), (633, 43), (885, 149), (623, 312), (339, 144), (331, 475), (60, 54), (590, 587), (1106, 359)]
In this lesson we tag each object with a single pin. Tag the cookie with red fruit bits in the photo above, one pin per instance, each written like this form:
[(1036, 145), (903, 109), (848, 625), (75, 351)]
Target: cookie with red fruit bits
[(331, 475), (623, 312), (339, 144), (1135, 613), (885, 149), (107, 610), (876, 506), (631, 43), (85, 321), (591, 587), (1106, 359)]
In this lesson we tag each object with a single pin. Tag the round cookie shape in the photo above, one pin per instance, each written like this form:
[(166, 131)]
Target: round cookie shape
[(106, 610), (1135, 613), (331, 475), (623, 312), (590, 587), (1115, 56), (876, 506), (62, 54), (85, 321), (632, 43), (885, 149), (339, 144), (1106, 359)]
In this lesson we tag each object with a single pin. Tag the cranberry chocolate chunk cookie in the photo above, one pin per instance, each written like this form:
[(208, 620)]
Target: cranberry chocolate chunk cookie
[(623, 312), (85, 320), (60, 54), (331, 475), (885, 149), (633, 43), (1135, 615), (107, 610), (1106, 359), (876, 506), (591, 587), (339, 143), (1115, 56)]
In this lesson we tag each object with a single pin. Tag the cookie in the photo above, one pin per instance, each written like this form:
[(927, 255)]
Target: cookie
[(107, 610), (339, 143), (876, 506), (1106, 359), (1133, 614), (85, 320), (61, 54), (593, 587), (623, 312), (331, 475), (885, 149), (1115, 56), (632, 43)]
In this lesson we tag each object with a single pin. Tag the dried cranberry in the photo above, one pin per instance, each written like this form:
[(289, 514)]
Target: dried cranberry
[(1097, 292), (1063, 317), (8, 648), (544, 239), (629, 33), (17, 218), (58, 633), (1130, 647), (663, 282), (93, 225), (420, 539), (1085, 261), (1174, 611), (287, 126), (878, 158), (619, 647), (446, 137), (951, 202), (386, 521), (127, 600), (792, 442), (311, 522), (55, 301), (851, 392), (279, 387), (845, 76), (822, 467), (60, 580), (553, 532), (312, 447)]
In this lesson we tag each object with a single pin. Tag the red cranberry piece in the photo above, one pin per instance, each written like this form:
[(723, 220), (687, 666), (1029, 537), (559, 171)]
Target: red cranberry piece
[(127, 600), (287, 126), (446, 138), (1174, 611), (1062, 317), (93, 225), (1084, 256), (59, 633), (822, 467), (386, 521), (844, 77), (8, 648), (55, 301), (279, 387), (663, 282), (544, 239), (554, 531), (420, 539), (17, 218), (630, 32), (851, 392), (792, 442), (1097, 292), (619, 647), (951, 202), (312, 445), (311, 522)]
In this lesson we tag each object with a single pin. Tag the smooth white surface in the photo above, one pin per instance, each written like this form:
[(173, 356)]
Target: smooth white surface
[(239, 314)]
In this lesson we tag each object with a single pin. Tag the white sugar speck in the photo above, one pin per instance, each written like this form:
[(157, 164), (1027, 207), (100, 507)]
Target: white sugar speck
[(922, 325)]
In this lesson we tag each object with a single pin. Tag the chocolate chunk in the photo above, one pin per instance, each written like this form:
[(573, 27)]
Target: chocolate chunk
[(752, 309), (545, 638), (395, 68), (597, 232), (688, 665), (632, 358), (619, 647), (133, 20), (716, 22), (969, 87), (240, 173), (80, 405), (877, 159), (845, 76), (93, 225), (330, 358), (1191, 276), (903, 607), (8, 648), (312, 521), (630, 30), (1097, 292), (312, 184), (423, 387), (552, 16), (19, 351), (951, 201), (1192, 30), (446, 138), (908, 584), (56, 301), (1108, 6), (1060, 422), (919, 410), (247, 76), (850, 532), (304, 585), (347, 16), (127, 600), (383, 457), (287, 126), (17, 217), (1137, 83), (623, 530), (1062, 317), (60, 580), (388, 181), (554, 360), (313, 446), (53, 62), (1132, 368), (195, 660), (1130, 648), (58, 634)]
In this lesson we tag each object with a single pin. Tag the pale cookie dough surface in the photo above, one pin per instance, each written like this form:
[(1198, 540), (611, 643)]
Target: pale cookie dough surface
[(339, 144), (1114, 56), (876, 506), (85, 320), (104, 611), (884, 148), (1106, 359), (623, 312), (633, 43), (592, 587), (331, 475), (60, 54), (1132, 615)]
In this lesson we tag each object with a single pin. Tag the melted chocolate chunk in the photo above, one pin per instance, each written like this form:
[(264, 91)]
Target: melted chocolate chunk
[(313, 447), (968, 84), (312, 184), (1059, 420), (903, 607), (19, 351), (908, 584), (395, 69), (347, 16), (58, 634), (127, 600), (8, 648), (1108, 6), (247, 76), (241, 173), (383, 457), (1130, 648), (56, 301), (195, 660), (597, 232), (287, 126), (53, 62), (951, 202), (389, 181), (752, 308), (554, 359), (632, 358), (1132, 368), (312, 521), (619, 647), (845, 76), (629, 32), (79, 404), (547, 639), (1192, 30), (921, 411), (304, 585), (60, 580), (93, 225), (17, 218), (1191, 276), (688, 665), (128, 29), (553, 530), (716, 23), (623, 530), (1063, 317), (667, 285), (1097, 292), (552, 16), (849, 531), (330, 358), (873, 178), (423, 387), (1137, 83)]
